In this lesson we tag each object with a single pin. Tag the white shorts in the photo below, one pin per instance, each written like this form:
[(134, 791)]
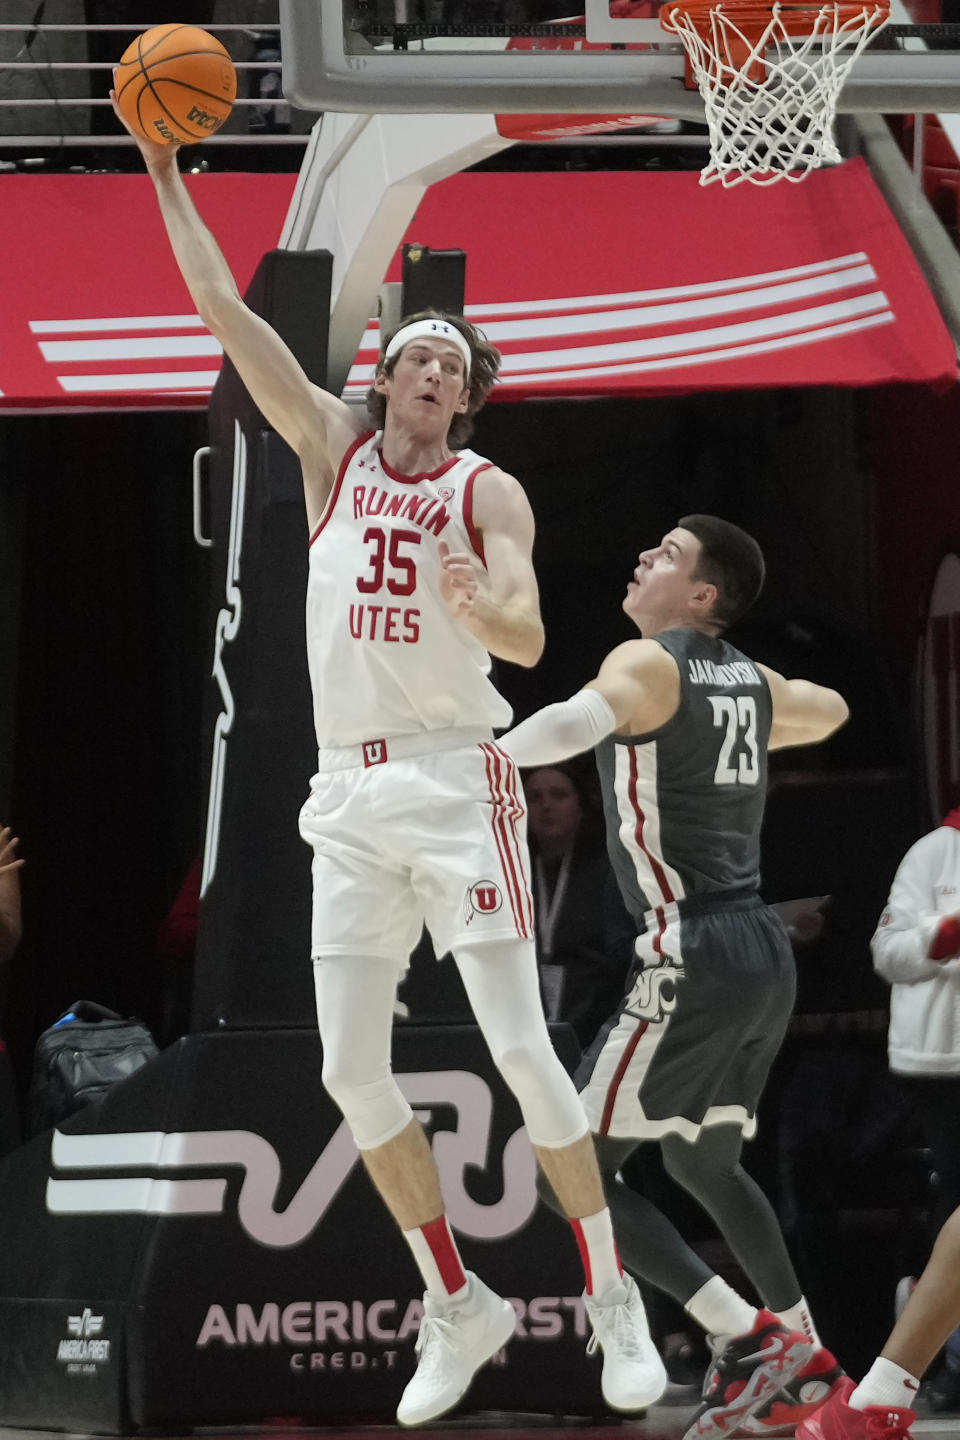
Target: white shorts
[(419, 828)]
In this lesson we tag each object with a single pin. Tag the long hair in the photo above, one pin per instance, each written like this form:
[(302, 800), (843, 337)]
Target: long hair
[(485, 364)]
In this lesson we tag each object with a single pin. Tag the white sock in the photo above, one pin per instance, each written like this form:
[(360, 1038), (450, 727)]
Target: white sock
[(720, 1311), (598, 1251), (886, 1383), (798, 1317)]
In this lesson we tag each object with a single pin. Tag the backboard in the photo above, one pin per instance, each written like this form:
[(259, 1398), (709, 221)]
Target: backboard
[(342, 55)]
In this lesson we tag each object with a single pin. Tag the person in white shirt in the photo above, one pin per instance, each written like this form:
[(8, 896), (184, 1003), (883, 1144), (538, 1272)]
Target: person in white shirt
[(916, 949)]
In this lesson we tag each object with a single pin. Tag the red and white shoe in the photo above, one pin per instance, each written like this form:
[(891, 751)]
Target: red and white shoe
[(747, 1375), (796, 1399), (839, 1421)]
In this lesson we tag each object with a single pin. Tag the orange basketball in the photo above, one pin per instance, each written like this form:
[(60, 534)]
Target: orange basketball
[(175, 83)]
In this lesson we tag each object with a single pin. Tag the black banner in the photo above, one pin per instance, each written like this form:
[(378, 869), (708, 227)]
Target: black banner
[(211, 1225), (258, 742)]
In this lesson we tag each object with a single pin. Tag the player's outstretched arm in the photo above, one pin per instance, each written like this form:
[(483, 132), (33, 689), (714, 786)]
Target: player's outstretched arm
[(316, 424), (498, 600), (637, 690), (803, 713)]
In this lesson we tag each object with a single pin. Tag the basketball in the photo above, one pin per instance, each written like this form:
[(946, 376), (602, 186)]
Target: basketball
[(175, 84)]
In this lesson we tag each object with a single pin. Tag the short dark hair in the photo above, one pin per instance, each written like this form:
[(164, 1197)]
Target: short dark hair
[(730, 559), (483, 373)]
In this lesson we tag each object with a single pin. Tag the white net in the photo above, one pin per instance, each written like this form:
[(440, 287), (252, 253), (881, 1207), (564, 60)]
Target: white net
[(771, 95)]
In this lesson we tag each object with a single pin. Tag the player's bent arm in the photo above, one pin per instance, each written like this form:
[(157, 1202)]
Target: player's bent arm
[(803, 713), (636, 690), (505, 616)]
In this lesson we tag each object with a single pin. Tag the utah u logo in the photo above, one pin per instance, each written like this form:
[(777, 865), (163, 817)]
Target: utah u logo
[(374, 753), (483, 898)]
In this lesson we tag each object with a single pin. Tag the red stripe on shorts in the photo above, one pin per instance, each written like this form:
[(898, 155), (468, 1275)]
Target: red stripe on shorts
[(619, 1073), (502, 838), (517, 809)]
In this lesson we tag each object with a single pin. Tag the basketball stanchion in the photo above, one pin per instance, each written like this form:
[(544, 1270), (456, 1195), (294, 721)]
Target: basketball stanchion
[(175, 84), (770, 76)]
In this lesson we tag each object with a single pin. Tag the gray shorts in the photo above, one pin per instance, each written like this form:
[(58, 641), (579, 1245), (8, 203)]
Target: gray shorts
[(707, 1005)]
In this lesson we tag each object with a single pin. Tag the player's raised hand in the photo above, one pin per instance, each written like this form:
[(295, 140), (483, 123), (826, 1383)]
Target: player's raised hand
[(154, 154), (459, 580)]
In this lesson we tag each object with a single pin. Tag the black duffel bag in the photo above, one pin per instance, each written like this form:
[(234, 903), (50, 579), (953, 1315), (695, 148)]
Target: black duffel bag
[(80, 1057)]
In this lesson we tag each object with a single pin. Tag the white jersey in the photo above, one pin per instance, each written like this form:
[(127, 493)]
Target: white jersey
[(386, 657)]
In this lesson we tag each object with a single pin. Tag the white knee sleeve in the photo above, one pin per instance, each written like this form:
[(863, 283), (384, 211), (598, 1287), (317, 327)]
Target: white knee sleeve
[(375, 1110), (500, 979), (355, 997)]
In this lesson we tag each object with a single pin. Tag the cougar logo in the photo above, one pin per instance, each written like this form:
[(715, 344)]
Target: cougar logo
[(201, 118), (654, 992), (483, 898), (456, 1151)]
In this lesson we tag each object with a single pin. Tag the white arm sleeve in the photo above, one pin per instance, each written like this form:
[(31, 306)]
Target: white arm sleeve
[(558, 731)]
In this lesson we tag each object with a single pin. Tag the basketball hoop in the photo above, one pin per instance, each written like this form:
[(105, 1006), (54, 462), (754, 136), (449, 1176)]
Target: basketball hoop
[(770, 75)]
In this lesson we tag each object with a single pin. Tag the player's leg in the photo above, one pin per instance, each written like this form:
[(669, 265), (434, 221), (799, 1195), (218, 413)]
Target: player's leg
[(881, 1405), (464, 1322), (933, 1310), (936, 1100), (365, 922), (501, 983), (651, 1247), (466, 845)]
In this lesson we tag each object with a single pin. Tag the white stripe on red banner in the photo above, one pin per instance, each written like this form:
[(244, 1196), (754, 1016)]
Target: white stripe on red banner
[(154, 380), (118, 322)]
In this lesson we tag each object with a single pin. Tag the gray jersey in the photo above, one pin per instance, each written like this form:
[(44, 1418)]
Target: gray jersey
[(684, 804)]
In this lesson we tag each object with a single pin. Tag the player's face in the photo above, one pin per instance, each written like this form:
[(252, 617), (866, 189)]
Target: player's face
[(553, 806), (663, 582), (427, 386)]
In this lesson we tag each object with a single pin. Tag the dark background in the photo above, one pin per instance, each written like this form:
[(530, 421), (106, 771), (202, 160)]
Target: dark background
[(106, 649)]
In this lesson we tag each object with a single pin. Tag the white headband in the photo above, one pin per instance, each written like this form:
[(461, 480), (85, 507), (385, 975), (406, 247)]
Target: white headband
[(436, 330)]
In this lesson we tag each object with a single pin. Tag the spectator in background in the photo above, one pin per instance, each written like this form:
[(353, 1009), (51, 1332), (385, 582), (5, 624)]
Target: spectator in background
[(583, 932), (11, 928), (916, 949)]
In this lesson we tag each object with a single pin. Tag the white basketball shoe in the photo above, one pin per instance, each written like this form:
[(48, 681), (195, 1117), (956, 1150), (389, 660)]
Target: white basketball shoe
[(634, 1376), (454, 1341)]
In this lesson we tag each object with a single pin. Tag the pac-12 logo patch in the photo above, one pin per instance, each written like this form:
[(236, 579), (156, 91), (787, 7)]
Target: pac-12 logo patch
[(482, 898)]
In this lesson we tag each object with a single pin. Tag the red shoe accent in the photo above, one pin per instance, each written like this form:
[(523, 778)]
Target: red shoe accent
[(797, 1398), (837, 1419)]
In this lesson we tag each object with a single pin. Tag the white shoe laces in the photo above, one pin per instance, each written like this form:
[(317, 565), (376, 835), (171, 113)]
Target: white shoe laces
[(619, 1330), (436, 1339)]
